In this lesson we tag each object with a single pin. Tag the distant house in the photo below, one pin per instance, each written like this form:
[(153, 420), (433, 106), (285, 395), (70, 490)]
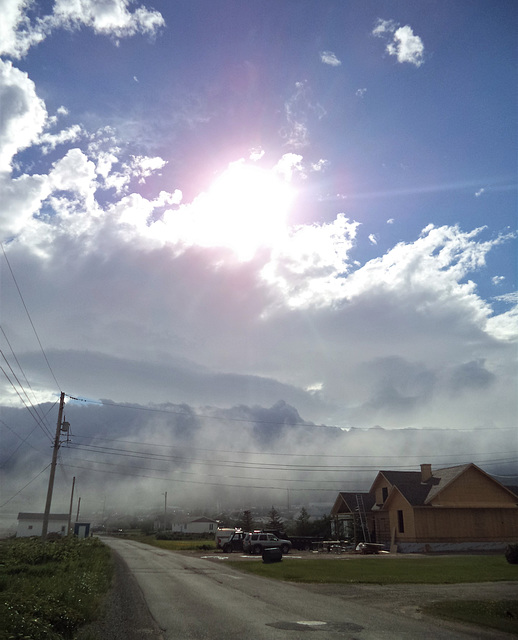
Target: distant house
[(456, 508), (31, 524), (201, 526)]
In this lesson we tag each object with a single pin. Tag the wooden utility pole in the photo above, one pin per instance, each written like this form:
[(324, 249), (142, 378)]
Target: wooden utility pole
[(45, 526), (69, 530)]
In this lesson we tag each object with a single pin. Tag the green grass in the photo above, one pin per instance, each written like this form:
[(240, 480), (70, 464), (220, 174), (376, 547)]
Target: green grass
[(179, 545), (383, 570), (501, 615), (49, 590)]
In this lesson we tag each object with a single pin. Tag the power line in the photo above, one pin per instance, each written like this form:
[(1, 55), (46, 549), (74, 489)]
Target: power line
[(25, 486), (283, 423), (22, 441), (29, 316), (35, 417), (211, 475), (250, 464), (21, 369), (214, 484), (276, 453)]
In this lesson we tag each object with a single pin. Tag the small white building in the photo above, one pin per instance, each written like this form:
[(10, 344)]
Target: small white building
[(197, 525), (31, 524)]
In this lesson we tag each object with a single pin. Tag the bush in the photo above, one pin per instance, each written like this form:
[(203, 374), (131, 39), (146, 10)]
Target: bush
[(50, 589), (511, 553)]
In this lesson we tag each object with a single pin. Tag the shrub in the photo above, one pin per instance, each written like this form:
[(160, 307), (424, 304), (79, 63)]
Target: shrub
[(511, 553), (50, 589)]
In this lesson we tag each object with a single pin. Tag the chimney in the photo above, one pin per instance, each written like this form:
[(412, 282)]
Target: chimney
[(426, 472)]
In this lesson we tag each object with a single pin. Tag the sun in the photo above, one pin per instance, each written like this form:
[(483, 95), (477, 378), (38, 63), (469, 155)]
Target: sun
[(245, 208)]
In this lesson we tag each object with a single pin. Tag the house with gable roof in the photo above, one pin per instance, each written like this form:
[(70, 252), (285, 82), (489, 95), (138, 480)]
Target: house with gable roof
[(200, 526), (352, 517), (456, 508)]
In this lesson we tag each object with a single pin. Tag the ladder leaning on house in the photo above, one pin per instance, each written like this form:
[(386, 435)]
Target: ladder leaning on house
[(363, 517)]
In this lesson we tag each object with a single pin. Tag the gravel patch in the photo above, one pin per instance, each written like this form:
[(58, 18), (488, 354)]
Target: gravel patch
[(124, 614)]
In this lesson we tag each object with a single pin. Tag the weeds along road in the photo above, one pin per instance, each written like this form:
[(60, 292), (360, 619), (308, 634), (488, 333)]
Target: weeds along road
[(198, 599)]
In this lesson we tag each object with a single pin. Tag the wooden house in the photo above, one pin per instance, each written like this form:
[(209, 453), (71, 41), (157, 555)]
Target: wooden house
[(352, 517), (456, 508)]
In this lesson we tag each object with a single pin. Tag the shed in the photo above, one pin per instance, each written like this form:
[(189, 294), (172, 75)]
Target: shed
[(31, 524)]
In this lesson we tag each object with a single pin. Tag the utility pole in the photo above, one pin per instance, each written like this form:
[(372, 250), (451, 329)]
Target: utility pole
[(55, 450), (70, 509), (165, 512)]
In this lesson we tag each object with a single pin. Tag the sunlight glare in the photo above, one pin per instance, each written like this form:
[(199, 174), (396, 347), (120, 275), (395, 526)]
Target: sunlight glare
[(245, 208)]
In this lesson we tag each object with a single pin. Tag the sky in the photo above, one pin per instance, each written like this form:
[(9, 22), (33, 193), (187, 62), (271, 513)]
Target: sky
[(255, 231)]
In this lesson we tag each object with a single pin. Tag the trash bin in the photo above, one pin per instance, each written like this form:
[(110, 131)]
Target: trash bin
[(272, 555)]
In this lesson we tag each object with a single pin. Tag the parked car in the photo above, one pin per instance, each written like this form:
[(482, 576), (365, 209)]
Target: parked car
[(235, 542), (257, 541)]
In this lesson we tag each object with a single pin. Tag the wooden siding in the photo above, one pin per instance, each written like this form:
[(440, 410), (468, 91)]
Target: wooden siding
[(382, 483), (398, 503), (466, 525), (474, 489)]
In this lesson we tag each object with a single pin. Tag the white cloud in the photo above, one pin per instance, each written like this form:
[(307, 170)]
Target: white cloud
[(256, 154), (17, 35), (328, 57), (390, 221), (403, 44), (50, 141), (384, 26), (361, 92), (290, 165), (299, 108), (110, 17), (23, 113), (479, 193), (373, 239), (407, 46), (320, 165), (496, 280)]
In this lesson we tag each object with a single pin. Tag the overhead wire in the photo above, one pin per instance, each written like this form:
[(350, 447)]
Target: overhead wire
[(226, 418), (200, 482), (246, 465), (21, 370), (35, 415), (183, 447), (29, 317), (25, 486)]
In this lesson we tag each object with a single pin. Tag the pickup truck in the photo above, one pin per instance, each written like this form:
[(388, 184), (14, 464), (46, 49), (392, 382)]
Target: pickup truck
[(235, 542)]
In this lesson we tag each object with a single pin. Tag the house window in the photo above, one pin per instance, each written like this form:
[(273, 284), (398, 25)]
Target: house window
[(63, 529), (400, 522), (29, 527), (384, 493), (211, 527)]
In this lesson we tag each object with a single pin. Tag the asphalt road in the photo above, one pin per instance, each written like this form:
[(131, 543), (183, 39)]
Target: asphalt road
[(196, 598)]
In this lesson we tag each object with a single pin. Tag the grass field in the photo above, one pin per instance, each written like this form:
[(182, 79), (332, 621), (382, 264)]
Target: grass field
[(501, 615), (50, 589), (377, 570)]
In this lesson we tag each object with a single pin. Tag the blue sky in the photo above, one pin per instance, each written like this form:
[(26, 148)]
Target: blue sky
[(232, 204)]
